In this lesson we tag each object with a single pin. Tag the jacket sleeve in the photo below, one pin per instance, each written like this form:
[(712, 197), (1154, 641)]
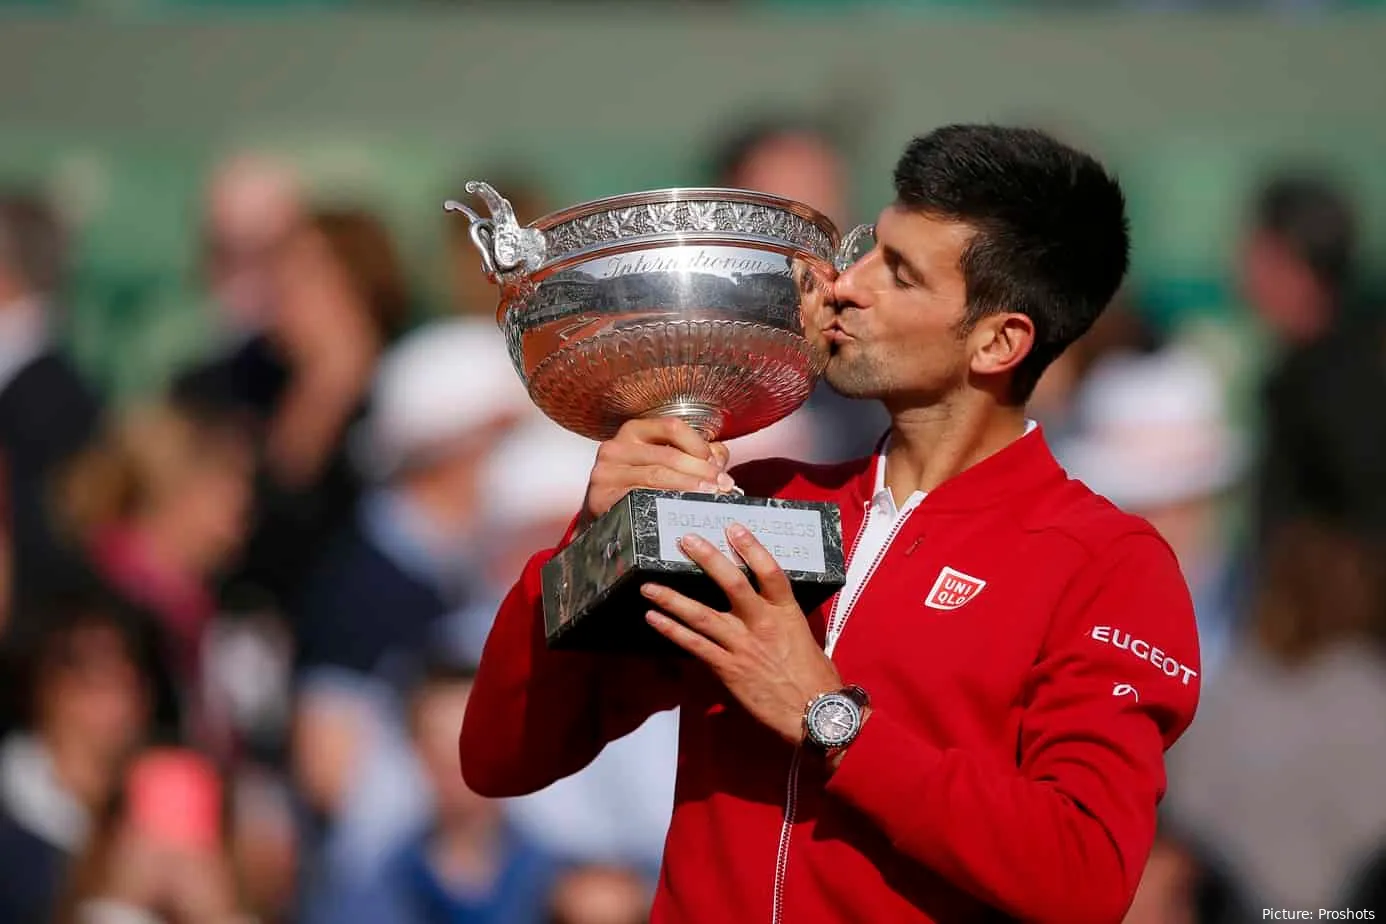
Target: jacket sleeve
[(1064, 836), (536, 716)]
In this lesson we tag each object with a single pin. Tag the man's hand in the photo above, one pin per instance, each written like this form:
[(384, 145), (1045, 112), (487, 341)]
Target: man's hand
[(657, 452), (763, 650)]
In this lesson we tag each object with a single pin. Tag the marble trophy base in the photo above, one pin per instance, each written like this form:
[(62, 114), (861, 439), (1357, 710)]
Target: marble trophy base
[(592, 599)]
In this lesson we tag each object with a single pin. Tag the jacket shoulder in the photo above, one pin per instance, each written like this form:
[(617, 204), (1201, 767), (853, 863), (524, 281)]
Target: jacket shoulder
[(1086, 518)]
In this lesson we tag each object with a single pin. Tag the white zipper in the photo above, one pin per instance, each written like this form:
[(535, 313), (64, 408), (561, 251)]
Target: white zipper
[(837, 621)]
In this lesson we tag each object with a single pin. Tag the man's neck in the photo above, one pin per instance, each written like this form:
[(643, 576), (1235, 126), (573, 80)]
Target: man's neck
[(929, 445)]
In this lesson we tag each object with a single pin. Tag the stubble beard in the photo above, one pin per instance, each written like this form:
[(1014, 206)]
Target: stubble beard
[(854, 376)]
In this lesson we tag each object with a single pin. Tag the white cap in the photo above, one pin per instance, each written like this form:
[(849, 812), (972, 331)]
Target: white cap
[(537, 474), (437, 385), (1153, 430)]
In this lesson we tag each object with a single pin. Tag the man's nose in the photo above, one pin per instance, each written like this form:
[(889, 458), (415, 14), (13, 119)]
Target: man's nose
[(848, 288)]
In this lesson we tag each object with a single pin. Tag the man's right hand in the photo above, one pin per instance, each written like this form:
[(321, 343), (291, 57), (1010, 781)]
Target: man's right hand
[(658, 452)]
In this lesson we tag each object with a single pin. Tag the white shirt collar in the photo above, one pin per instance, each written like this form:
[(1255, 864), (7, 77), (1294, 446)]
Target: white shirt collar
[(35, 799), (881, 498)]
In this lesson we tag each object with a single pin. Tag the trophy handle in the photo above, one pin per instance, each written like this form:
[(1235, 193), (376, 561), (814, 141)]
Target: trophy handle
[(845, 251), (506, 247)]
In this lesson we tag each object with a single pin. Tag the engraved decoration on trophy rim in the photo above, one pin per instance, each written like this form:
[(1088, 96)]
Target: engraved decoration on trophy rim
[(690, 303)]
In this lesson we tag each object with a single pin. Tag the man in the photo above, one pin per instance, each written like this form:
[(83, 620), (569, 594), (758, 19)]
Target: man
[(1320, 457), (1025, 652), (47, 410)]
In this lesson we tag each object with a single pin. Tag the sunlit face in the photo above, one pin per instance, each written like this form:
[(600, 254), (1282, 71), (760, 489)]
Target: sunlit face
[(897, 331)]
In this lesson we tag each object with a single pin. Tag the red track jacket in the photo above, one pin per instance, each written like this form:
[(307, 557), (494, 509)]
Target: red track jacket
[(1015, 753)]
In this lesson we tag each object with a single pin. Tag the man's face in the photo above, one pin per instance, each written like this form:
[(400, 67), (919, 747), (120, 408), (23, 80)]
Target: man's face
[(897, 328)]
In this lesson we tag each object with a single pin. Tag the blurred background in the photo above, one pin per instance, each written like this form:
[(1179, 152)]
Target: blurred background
[(267, 471)]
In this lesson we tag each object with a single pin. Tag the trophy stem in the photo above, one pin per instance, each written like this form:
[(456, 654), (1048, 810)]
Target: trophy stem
[(704, 418)]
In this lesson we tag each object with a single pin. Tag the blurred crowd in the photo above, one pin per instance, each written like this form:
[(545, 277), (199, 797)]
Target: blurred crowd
[(239, 619)]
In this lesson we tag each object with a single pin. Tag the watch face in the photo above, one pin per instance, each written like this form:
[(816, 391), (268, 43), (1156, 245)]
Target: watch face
[(834, 719)]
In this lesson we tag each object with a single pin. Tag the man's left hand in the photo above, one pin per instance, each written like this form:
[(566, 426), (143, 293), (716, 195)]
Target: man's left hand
[(763, 650)]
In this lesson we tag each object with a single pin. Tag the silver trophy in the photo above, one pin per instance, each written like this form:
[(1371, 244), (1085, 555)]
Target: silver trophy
[(688, 303)]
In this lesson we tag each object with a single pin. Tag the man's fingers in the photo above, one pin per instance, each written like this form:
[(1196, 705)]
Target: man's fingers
[(721, 455), (645, 454), (701, 648), (774, 584), (667, 431), (665, 479), (720, 568), (707, 622)]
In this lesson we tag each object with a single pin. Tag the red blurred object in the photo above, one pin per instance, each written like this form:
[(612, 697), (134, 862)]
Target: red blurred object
[(176, 799)]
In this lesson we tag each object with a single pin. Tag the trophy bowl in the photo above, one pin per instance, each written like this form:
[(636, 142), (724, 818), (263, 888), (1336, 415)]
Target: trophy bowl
[(689, 303), (700, 304)]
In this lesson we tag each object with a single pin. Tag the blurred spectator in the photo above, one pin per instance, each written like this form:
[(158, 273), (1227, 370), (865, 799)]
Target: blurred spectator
[(340, 299), (615, 810), (472, 294), (467, 864), (161, 507), (252, 205), (600, 895), (794, 158), (1120, 330), (264, 845), (534, 484), (159, 852), (6, 574), (1152, 435), (801, 161), (378, 598), (47, 412), (1182, 884), (1369, 885), (86, 707), (1322, 456), (1281, 772)]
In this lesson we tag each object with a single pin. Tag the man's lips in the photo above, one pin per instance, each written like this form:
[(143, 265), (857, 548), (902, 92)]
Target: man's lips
[(836, 334)]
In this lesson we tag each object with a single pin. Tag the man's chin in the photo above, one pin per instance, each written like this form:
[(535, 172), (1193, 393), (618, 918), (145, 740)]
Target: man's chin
[(841, 379)]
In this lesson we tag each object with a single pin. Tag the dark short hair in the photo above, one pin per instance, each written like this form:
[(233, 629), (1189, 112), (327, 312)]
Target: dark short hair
[(41, 644), (1052, 240), (1314, 219)]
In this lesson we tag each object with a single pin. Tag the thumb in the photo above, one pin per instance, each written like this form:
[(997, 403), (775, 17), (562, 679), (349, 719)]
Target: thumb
[(721, 455)]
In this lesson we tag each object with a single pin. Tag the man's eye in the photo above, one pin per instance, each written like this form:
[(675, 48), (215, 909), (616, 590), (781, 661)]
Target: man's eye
[(900, 281)]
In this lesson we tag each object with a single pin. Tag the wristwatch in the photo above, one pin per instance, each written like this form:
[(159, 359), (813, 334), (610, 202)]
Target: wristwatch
[(833, 719)]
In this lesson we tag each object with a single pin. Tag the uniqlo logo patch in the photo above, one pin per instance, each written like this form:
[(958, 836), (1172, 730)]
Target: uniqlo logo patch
[(953, 589)]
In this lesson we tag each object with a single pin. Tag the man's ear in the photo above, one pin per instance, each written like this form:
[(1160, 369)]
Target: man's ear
[(999, 342)]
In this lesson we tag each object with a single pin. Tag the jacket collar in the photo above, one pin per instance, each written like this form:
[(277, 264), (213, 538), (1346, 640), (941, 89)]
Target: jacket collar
[(34, 798), (1019, 468)]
